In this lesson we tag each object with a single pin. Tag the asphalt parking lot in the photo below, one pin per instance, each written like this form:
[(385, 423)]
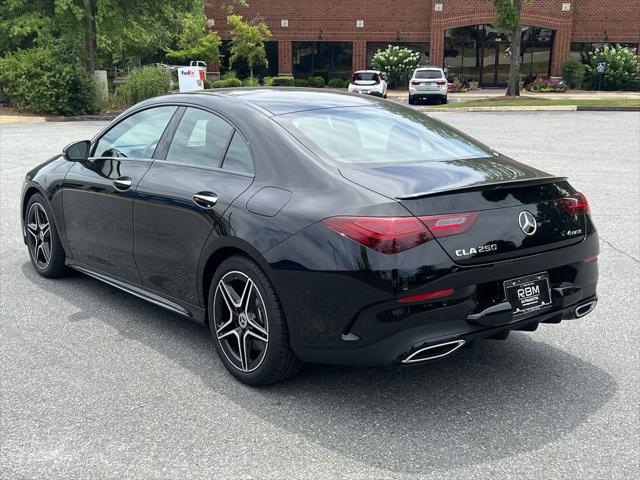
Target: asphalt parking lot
[(96, 383)]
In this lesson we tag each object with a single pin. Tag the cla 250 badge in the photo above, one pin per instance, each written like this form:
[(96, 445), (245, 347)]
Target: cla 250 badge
[(463, 252)]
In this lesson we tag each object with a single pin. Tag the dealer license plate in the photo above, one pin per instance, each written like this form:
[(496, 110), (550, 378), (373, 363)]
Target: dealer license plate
[(528, 294)]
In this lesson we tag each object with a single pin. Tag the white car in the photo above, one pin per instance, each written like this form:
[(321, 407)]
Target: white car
[(369, 82), (428, 82)]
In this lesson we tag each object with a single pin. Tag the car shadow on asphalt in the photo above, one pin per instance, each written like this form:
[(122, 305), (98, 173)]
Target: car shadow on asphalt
[(496, 400)]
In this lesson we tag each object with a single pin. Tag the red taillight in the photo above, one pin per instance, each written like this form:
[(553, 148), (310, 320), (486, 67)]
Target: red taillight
[(415, 82), (575, 205), (590, 259), (428, 296), (445, 225), (396, 234), (383, 234), (441, 82)]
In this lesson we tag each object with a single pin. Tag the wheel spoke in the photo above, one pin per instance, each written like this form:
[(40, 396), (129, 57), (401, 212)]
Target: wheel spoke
[(38, 216), (231, 295), (244, 351), (32, 228), (233, 331), (45, 229), (225, 296), (255, 325), (257, 335), (221, 330), (246, 294), (46, 251)]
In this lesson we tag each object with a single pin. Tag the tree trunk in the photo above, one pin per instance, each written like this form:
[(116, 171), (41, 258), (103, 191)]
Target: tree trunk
[(251, 71), (513, 88), (90, 36)]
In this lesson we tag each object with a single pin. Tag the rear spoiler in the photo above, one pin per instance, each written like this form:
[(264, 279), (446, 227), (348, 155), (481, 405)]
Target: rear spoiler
[(490, 185)]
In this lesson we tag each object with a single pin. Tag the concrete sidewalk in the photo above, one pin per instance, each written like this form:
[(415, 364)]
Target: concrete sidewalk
[(487, 93)]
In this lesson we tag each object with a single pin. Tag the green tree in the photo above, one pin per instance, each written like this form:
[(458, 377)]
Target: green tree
[(509, 20), (194, 43), (99, 31), (247, 42), (230, 5), (621, 66), (395, 62)]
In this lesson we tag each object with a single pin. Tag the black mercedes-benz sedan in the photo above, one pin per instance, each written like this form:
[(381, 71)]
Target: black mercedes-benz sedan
[(308, 226)]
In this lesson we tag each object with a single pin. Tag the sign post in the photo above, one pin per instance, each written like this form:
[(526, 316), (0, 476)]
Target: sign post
[(601, 68)]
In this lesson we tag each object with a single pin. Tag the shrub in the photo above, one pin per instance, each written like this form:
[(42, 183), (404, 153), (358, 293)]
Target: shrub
[(395, 62), (251, 82), (143, 83), (633, 85), (267, 81), (573, 72), (337, 83), (227, 83), (316, 82), (300, 82), (230, 74), (544, 85), (621, 67), (47, 79), (286, 81)]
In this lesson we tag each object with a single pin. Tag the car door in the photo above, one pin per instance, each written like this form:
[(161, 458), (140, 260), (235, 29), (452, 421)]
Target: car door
[(206, 166), (98, 193)]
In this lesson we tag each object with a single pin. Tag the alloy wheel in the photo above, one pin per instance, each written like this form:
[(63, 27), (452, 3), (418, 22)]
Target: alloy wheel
[(240, 320), (39, 235)]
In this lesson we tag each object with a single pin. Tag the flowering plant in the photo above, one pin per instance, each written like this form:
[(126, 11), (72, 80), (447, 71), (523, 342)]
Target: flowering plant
[(620, 67), (395, 62), (542, 85)]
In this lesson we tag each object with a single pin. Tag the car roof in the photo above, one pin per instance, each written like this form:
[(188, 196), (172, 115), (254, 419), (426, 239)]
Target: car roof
[(367, 71), (279, 101), (428, 68)]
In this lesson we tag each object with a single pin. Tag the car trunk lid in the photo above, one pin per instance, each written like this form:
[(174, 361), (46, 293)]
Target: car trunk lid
[(519, 209)]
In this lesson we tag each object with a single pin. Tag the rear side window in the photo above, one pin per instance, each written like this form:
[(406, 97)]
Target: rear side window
[(382, 134), (201, 139), (136, 136), (238, 157), (429, 74)]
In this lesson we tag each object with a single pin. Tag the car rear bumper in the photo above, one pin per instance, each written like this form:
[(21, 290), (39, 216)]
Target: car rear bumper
[(350, 312), (403, 346)]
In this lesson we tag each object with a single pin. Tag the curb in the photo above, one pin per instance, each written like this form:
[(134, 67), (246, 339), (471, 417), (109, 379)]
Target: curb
[(85, 118)]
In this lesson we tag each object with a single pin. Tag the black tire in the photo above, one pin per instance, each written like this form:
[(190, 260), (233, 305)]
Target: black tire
[(275, 360), (412, 101), (45, 251), (444, 100)]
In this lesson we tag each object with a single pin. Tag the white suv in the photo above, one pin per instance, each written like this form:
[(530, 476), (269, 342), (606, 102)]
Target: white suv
[(428, 82), (368, 82)]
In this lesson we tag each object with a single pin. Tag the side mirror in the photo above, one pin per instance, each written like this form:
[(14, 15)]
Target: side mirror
[(77, 152)]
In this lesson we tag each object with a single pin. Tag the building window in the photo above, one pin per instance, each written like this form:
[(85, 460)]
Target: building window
[(241, 66), (480, 53), (421, 47), (324, 59)]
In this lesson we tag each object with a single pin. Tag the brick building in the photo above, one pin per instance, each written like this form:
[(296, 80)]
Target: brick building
[(334, 37)]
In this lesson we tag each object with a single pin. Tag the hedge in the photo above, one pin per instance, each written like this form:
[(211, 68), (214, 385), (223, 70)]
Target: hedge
[(47, 79), (143, 83)]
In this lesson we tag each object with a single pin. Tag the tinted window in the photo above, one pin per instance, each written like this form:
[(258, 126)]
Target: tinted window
[(365, 77), (136, 136), (238, 157), (201, 139), (386, 134), (428, 74)]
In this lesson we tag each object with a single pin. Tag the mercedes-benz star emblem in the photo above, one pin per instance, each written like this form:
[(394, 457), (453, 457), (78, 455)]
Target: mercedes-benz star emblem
[(527, 222)]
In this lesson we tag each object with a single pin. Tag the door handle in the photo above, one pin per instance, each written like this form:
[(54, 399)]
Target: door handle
[(205, 199), (122, 183)]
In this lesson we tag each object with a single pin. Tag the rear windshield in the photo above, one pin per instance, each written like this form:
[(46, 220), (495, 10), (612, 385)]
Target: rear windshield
[(379, 134), (365, 77), (428, 74)]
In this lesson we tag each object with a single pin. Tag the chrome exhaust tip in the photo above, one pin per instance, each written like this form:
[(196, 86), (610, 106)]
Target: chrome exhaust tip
[(585, 309), (433, 352)]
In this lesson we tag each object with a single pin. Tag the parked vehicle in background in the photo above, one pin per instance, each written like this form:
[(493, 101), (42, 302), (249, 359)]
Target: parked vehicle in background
[(428, 82), (368, 82)]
